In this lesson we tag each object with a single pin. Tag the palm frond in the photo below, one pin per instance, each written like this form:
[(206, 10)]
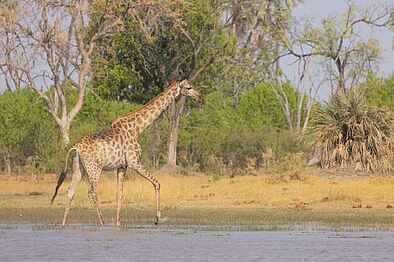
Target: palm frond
[(350, 132)]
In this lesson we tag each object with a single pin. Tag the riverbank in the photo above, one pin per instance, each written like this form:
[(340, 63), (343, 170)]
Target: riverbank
[(218, 219), (302, 197)]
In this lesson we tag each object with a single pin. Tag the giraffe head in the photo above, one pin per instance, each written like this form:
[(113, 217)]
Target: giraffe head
[(187, 90)]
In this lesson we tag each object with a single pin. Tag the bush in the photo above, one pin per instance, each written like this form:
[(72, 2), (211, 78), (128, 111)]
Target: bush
[(380, 92), (26, 130), (220, 136), (214, 138), (349, 131)]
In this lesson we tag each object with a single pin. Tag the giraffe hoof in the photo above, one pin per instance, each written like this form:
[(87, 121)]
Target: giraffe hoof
[(160, 220)]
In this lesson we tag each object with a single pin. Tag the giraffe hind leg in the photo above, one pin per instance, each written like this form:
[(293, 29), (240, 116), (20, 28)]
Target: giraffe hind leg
[(92, 194), (119, 193), (94, 175), (76, 179)]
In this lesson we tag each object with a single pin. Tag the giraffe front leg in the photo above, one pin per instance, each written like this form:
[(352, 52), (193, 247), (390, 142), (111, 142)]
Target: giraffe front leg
[(119, 193), (158, 212), (141, 171)]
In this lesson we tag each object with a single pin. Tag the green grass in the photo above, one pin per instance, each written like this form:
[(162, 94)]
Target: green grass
[(208, 218)]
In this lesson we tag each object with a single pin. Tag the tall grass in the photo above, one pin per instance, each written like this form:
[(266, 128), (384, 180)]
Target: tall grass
[(286, 190)]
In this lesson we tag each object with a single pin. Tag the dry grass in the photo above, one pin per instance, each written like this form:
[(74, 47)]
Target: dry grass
[(302, 189), (302, 197)]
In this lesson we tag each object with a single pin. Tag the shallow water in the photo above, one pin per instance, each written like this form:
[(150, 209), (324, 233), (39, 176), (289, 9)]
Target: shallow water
[(87, 243)]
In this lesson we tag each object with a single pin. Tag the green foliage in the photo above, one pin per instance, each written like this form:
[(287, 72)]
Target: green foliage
[(262, 106), (214, 137), (220, 134), (25, 128), (380, 92), (140, 61)]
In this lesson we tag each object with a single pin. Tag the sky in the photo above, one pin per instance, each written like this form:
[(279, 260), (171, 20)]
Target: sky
[(317, 9)]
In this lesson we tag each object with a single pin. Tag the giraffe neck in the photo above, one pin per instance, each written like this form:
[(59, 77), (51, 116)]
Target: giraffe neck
[(152, 110)]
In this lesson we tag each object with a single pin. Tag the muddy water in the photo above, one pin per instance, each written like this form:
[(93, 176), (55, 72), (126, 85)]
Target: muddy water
[(39, 243)]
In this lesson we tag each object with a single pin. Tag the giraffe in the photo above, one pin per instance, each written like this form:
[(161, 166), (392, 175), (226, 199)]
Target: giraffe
[(117, 148)]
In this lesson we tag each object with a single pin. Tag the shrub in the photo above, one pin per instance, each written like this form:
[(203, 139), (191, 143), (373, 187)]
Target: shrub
[(221, 136), (214, 138), (349, 131), (26, 130)]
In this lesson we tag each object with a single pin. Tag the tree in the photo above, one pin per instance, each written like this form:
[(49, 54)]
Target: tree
[(345, 54), (9, 12), (50, 44), (25, 128), (257, 27), (176, 40)]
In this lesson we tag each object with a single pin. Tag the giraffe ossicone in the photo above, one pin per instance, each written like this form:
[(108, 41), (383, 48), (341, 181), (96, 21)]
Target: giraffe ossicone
[(117, 148)]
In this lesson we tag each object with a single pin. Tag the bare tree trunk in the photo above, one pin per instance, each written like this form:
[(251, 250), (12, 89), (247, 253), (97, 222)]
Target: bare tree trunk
[(65, 132), (341, 82), (155, 144), (341, 89), (175, 116), (309, 106), (300, 101), (7, 162), (279, 92), (236, 94), (307, 117), (284, 104)]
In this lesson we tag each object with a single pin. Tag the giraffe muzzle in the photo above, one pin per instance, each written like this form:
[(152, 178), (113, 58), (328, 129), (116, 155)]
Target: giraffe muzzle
[(200, 101)]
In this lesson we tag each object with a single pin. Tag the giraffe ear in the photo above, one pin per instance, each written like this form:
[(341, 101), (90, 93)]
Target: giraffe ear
[(185, 83)]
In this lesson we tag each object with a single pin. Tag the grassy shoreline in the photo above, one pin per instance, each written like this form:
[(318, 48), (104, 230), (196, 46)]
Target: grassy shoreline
[(214, 219), (297, 199)]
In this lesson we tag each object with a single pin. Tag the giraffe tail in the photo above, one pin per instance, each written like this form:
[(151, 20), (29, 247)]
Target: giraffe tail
[(62, 176)]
